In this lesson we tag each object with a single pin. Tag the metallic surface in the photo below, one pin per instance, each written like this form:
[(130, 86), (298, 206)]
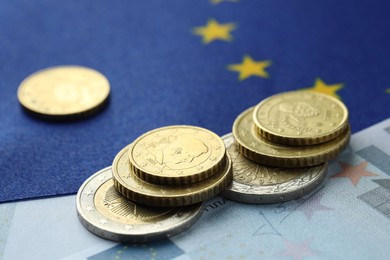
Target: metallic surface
[(255, 183), (132, 187), (65, 91), (300, 118), (106, 213), (262, 151), (176, 155)]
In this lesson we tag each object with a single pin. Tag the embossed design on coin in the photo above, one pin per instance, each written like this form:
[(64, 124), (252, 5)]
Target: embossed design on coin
[(255, 183), (64, 91), (300, 118), (138, 190), (250, 173), (278, 155), (177, 155), (111, 204), (109, 215)]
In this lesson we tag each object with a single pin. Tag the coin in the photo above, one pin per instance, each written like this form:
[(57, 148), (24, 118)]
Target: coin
[(106, 213), (255, 183), (262, 151), (176, 155), (300, 118), (138, 190), (64, 92)]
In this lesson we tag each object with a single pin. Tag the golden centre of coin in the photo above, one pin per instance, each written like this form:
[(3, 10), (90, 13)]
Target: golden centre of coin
[(248, 172), (140, 191), (300, 118), (262, 151), (64, 90), (112, 205), (177, 155)]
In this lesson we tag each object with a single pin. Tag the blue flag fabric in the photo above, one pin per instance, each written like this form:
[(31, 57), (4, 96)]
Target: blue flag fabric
[(177, 62)]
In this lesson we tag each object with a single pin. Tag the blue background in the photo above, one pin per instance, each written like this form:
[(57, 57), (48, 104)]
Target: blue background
[(162, 74)]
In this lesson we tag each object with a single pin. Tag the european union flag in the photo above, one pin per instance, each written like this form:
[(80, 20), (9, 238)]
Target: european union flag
[(199, 62)]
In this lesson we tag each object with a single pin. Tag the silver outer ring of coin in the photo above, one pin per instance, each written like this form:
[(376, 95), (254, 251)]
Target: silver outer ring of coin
[(96, 223), (290, 190)]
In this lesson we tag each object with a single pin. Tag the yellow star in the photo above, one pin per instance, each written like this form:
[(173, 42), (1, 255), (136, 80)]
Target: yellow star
[(388, 90), (215, 31), (249, 67), (320, 86)]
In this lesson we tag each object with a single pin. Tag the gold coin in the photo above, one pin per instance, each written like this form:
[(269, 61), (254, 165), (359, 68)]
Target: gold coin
[(64, 92), (135, 189), (250, 173), (300, 118), (176, 155), (262, 151)]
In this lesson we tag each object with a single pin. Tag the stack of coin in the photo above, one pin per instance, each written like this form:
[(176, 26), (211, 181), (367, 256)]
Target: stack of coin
[(280, 148), (173, 166), (156, 185), (278, 151)]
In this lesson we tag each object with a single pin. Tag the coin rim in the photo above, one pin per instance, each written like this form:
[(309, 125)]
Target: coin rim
[(287, 161), (249, 195), (63, 116), (297, 140), (171, 200), (137, 235), (177, 180)]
